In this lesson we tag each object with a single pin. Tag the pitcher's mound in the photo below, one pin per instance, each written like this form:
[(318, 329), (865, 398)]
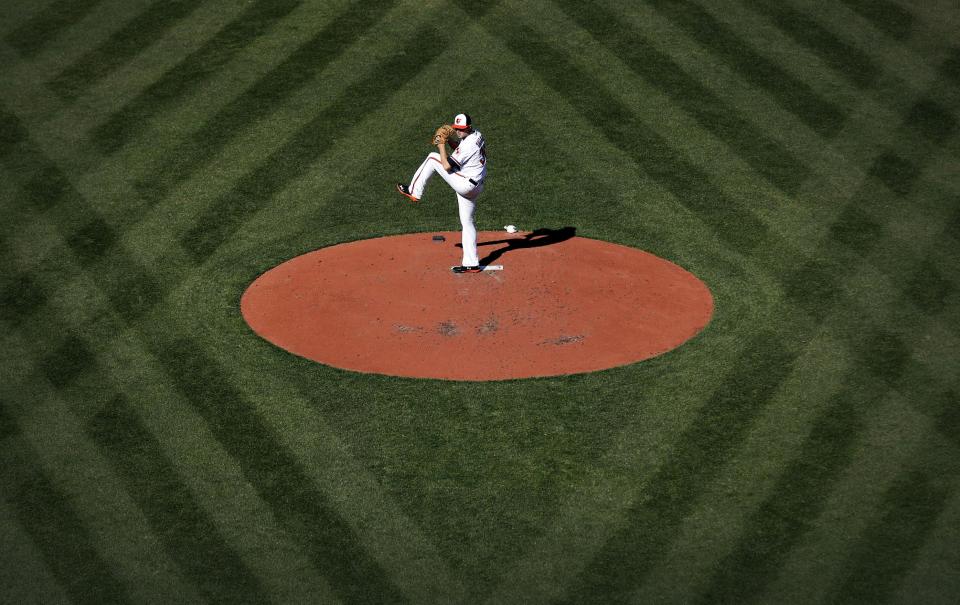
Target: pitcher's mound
[(561, 305)]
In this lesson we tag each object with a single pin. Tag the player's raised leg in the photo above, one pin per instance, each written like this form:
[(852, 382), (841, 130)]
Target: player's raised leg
[(430, 166), (422, 176)]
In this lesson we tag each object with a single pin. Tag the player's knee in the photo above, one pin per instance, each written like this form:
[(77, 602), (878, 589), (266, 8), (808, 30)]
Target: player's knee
[(434, 155)]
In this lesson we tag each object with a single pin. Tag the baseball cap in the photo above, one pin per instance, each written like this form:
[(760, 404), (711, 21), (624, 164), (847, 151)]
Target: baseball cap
[(462, 121)]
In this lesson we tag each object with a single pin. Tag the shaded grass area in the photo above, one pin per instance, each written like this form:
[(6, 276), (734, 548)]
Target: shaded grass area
[(39, 30), (92, 242), (854, 65), (889, 549), (746, 141), (484, 469), (191, 72), (793, 94), (697, 456), (794, 504), (887, 16), (48, 516), (190, 535), (261, 98), (303, 510), (143, 30)]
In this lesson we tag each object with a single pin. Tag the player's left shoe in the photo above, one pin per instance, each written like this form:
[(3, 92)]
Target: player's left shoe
[(405, 191)]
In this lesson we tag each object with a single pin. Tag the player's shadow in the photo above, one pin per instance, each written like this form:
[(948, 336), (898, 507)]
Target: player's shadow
[(534, 239)]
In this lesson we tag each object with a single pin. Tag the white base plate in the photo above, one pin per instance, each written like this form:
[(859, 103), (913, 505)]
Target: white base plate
[(485, 267)]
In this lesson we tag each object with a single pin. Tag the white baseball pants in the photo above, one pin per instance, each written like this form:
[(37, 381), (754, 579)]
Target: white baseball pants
[(467, 194)]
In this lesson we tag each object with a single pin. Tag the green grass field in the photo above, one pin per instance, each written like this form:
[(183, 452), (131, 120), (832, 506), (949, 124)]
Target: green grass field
[(799, 157)]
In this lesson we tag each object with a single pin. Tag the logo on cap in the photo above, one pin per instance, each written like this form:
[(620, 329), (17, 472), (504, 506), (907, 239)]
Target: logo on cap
[(462, 121)]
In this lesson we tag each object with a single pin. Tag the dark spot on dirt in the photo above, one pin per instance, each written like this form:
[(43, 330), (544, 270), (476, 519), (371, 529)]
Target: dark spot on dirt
[(491, 325), (563, 340), (448, 328)]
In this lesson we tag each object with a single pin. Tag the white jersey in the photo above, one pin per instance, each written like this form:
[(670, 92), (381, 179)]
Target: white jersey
[(469, 159)]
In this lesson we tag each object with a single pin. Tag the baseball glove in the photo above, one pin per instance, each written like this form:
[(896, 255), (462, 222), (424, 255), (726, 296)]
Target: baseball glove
[(440, 136)]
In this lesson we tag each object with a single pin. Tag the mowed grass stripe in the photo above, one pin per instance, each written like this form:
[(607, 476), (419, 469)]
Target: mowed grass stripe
[(637, 141), (190, 536), (754, 471), (31, 37), (43, 183), (797, 53), (822, 156), (122, 84), (857, 237), (892, 543), (950, 68), (934, 573), (51, 429), (946, 413), (24, 574), (697, 456), (110, 182), (855, 66), (8, 427), (269, 540), (191, 72), (47, 515), (135, 36), (768, 157), (75, 360), (792, 94), (20, 296), (891, 441), (797, 500), (895, 159), (621, 185), (210, 476), (304, 511), (882, 352), (131, 286), (857, 231), (258, 101), (12, 132), (901, 64), (220, 220), (866, 326), (898, 278), (265, 550), (886, 15)]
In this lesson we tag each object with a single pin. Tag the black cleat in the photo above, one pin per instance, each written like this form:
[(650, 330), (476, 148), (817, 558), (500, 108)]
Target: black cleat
[(404, 190), (463, 269)]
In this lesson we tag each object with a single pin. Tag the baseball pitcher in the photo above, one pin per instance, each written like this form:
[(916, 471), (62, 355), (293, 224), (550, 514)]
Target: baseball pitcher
[(464, 170)]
